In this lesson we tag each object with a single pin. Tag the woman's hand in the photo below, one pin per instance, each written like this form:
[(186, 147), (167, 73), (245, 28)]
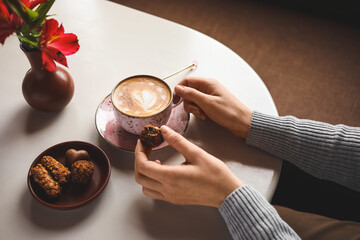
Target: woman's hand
[(205, 97), (201, 180)]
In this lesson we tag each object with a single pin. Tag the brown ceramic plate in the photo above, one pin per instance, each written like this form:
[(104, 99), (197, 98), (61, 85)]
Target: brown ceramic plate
[(73, 196)]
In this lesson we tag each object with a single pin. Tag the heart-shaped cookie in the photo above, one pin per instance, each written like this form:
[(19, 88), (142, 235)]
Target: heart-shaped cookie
[(73, 155)]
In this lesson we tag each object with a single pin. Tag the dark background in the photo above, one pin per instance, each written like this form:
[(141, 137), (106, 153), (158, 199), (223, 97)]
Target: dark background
[(308, 55)]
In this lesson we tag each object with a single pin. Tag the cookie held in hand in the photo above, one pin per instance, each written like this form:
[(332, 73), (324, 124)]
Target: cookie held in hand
[(151, 136)]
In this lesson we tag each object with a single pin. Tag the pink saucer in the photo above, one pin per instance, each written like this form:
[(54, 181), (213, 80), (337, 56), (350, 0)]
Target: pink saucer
[(113, 133)]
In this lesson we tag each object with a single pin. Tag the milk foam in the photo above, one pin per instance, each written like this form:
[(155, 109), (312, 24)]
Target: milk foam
[(141, 96), (144, 98)]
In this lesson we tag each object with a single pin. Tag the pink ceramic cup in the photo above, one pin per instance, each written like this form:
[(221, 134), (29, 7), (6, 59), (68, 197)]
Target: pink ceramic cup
[(135, 124)]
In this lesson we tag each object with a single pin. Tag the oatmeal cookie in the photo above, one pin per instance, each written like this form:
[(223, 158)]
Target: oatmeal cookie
[(58, 171), (46, 182)]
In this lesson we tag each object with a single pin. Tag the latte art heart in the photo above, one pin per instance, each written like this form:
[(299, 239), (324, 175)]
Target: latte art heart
[(144, 99)]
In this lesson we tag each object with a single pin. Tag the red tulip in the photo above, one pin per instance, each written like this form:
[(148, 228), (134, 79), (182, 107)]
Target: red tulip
[(55, 44)]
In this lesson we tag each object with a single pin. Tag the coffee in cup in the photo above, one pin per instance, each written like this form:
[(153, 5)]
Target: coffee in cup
[(142, 100), (141, 96)]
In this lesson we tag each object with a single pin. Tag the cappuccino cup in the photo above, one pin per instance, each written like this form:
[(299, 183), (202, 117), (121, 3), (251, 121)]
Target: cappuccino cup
[(142, 100)]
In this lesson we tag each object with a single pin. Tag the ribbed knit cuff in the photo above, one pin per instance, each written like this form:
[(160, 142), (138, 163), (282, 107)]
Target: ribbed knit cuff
[(249, 216), (264, 129)]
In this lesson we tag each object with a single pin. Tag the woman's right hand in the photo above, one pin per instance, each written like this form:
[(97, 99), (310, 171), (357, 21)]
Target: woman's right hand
[(206, 97)]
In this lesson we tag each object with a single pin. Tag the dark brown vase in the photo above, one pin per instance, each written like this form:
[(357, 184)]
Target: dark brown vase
[(43, 90)]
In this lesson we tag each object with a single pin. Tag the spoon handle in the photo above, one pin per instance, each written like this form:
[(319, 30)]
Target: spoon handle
[(193, 66)]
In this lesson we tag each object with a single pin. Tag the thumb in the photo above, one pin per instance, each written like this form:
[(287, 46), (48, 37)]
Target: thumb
[(181, 144), (191, 94)]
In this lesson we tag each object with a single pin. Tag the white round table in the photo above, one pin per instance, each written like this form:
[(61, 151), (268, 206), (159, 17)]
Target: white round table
[(117, 42)]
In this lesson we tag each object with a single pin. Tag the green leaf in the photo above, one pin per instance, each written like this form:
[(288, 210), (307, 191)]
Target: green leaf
[(27, 40), (16, 6), (25, 29), (42, 10), (33, 15), (36, 35)]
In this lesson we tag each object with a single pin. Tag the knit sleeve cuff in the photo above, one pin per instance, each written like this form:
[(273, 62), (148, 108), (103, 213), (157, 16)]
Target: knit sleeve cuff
[(249, 216), (262, 127)]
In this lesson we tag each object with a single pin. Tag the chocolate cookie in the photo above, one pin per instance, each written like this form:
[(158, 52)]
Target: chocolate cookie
[(82, 171), (151, 136)]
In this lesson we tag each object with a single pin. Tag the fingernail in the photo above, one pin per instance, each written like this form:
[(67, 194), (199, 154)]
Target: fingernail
[(164, 129)]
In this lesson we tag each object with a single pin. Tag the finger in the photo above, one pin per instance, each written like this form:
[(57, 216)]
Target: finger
[(153, 194), (148, 168), (178, 142), (140, 155), (192, 94), (190, 107), (194, 109), (147, 182), (196, 82)]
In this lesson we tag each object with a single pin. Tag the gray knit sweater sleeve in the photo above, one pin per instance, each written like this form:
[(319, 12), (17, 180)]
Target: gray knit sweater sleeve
[(326, 151), (249, 216), (323, 150)]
